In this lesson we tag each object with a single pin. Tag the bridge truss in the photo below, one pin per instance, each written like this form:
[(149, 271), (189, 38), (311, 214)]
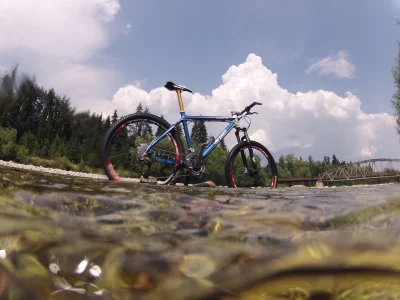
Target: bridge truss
[(366, 169)]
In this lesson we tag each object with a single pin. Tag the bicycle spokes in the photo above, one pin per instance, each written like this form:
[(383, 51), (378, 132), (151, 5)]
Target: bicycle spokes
[(128, 155), (251, 168)]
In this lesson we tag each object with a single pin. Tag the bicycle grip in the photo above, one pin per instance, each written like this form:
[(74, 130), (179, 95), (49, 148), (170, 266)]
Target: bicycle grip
[(247, 108)]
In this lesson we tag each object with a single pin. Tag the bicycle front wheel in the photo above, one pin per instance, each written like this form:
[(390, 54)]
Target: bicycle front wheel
[(129, 138), (250, 164)]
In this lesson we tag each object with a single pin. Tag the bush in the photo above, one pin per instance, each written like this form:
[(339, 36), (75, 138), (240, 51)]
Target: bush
[(63, 163), (8, 146), (22, 155)]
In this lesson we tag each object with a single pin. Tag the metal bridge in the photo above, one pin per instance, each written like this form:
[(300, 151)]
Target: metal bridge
[(362, 170)]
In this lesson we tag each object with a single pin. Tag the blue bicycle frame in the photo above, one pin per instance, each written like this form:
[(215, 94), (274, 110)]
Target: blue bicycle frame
[(184, 120)]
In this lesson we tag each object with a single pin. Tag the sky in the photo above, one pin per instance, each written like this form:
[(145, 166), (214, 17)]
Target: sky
[(321, 69)]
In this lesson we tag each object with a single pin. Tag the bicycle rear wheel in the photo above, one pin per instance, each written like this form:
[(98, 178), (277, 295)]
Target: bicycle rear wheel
[(128, 139), (250, 164)]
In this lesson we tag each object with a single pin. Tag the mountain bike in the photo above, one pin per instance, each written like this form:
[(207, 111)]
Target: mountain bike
[(147, 146)]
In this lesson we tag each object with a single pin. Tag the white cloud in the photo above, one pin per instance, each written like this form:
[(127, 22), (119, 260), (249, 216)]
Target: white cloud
[(317, 123), (56, 40), (338, 65), (127, 28), (395, 3)]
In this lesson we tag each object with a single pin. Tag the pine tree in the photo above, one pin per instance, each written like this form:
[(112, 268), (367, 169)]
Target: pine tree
[(139, 125), (146, 126), (223, 145), (335, 161), (311, 165), (281, 161), (179, 130), (396, 76), (114, 118), (199, 132), (139, 108), (107, 123), (160, 130)]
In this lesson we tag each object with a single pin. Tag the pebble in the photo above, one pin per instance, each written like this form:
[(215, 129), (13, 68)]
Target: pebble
[(12, 164)]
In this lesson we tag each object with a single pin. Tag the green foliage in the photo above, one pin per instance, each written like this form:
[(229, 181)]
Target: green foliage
[(28, 140), (396, 77), (114, 118), (8, 146), (46, 125), (57, 147), (22, 155), (199, 132), (283, 172), (215, 166), (223, 145), (291, 167)]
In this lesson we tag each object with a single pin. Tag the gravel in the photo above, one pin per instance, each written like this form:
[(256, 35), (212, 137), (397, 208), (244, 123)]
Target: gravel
[(12, 164)]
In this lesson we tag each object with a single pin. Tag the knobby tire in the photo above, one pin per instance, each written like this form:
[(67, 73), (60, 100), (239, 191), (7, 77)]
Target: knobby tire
[(124, 121)]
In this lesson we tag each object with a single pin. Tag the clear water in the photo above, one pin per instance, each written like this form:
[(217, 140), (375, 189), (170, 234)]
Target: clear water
[(76, 238)]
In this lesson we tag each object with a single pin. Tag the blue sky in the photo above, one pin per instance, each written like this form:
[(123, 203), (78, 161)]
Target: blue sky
[(194, 42), (322, 69)]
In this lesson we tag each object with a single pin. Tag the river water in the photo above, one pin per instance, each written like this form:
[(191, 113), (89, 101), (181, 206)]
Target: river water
[(77, 238)]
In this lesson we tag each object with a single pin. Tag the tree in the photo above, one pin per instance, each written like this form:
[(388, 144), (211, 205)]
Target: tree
[(146, 126), (290, 163), (335, 161), (281, 161), (160, 130), (114, 118), (139, 108), (223, 145), (199, 132), (396, 76), (107, 123)]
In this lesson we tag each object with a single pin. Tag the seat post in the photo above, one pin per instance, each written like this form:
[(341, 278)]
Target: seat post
[(178, 92)]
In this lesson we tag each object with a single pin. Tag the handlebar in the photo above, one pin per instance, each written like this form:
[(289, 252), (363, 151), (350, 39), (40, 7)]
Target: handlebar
[(248, 107)]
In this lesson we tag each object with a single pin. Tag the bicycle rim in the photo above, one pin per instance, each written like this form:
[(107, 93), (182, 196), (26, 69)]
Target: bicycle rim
[(129, 139), (260, 171)]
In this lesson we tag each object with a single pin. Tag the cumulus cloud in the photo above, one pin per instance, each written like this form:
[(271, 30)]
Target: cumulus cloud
[(57, 40), (313, 122), (338, 65)]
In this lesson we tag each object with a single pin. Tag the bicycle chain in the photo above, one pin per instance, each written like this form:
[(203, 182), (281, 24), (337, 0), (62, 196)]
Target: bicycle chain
[(166, 151)]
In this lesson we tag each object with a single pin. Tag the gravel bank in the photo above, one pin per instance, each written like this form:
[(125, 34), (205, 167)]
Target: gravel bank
[(51, 170), (11, 164)]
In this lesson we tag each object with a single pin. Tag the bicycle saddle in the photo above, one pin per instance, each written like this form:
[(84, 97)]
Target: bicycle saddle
[(173, 87)]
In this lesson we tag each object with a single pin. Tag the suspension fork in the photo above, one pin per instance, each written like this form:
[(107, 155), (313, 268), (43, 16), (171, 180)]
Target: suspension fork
[(244, 160)]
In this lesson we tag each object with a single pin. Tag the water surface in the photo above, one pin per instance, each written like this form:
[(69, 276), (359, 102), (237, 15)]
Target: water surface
[(78, 238)]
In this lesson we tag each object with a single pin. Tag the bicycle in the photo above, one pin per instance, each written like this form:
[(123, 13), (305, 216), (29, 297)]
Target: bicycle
[(141, 152)]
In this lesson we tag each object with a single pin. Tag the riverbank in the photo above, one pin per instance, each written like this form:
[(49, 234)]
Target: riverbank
[(30, 167)]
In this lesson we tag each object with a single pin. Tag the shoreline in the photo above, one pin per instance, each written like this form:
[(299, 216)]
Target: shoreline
[(31, 167)]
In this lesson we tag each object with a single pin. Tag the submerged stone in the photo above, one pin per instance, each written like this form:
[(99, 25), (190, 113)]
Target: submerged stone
[(75, 238)]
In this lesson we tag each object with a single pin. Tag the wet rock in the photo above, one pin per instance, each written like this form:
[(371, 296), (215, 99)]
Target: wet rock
[(298, 186), (319, 184), (150, 179), (205, 184)]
